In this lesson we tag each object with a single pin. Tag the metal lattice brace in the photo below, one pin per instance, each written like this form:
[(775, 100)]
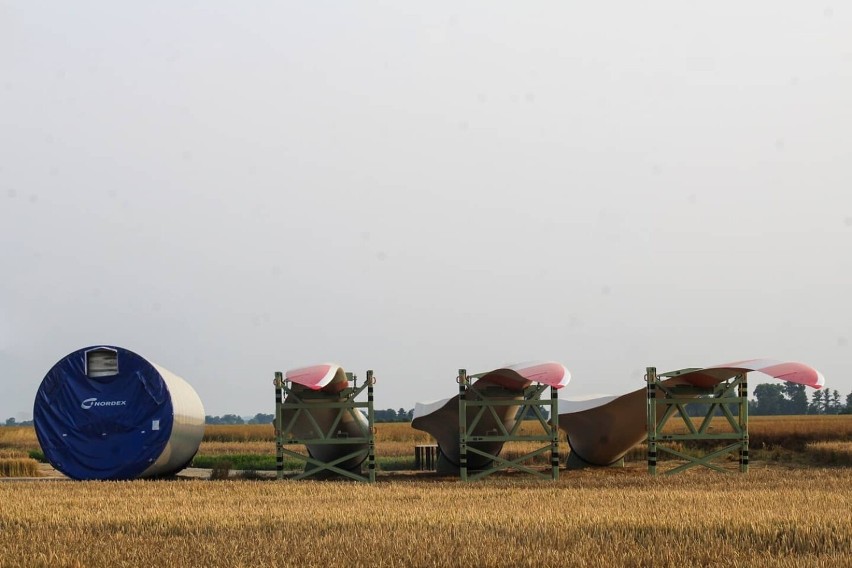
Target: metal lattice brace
[(531, 404), (675, 398), (344, 402)]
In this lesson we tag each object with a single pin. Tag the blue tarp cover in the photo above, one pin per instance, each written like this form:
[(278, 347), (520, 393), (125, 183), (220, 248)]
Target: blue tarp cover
[(103, 428)]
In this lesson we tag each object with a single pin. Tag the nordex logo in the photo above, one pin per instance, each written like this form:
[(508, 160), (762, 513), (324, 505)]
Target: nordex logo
[(90, 402)]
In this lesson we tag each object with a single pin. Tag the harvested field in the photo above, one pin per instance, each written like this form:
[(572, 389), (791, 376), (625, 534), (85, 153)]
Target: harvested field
[(767, 430), (830, 453), (16, 463), (785, 439), (18, 438), (772, 517), (239, 433), (791, 432)]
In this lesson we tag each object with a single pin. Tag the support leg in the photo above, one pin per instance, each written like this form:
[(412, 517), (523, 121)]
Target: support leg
[(651, 377), (462, 424)]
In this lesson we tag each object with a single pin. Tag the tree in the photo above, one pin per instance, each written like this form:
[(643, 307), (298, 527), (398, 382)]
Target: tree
[(836, 407), (816, 407), (849, 403), (391, 415), (778, 398), (261, 418), (770, 399), (226, 419), (387, 415), (798, 398), (10, 422)]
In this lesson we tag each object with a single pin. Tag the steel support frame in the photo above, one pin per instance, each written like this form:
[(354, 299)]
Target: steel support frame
[(531, 404), (345, 402), (675, 399)]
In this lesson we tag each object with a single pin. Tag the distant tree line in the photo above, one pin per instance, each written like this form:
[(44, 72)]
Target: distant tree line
[(391, 415), (258, 418), (13, 422), (792, 398)]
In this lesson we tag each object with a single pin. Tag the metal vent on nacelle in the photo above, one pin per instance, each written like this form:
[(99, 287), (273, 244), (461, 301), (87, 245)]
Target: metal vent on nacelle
[(101, 362)]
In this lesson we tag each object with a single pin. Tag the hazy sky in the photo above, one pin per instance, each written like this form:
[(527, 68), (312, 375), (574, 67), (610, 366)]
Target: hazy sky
[(235, 188)]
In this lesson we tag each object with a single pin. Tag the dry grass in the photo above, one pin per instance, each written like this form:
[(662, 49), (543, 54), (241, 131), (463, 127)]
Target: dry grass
[(15, 441), (397, 440), (18, 438), (771, 430), (794, 432), (18, 467), (401, 432), (771, 517), (8, 454), (832, 453), (239, 433), (231, 448), (790, 432), (392, 439)]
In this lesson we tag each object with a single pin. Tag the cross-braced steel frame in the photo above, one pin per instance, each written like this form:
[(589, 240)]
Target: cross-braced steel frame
[(675, 398), (481, 403), (344, 402)]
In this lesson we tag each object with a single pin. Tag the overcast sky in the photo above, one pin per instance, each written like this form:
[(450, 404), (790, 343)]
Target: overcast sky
[(235, 188)]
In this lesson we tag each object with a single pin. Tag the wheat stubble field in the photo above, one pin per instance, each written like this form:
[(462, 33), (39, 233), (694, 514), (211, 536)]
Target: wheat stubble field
[(770, 517), (779, 514)]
